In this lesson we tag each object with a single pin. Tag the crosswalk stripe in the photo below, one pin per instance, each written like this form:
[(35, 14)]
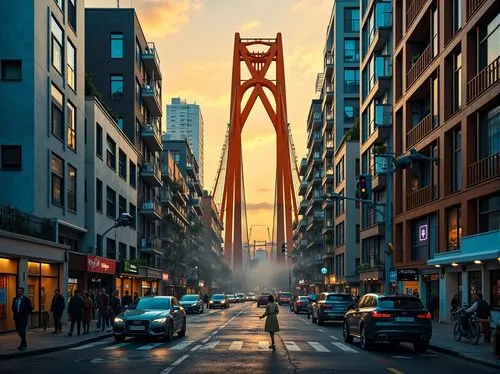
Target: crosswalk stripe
[(181, 345), (116, 346), (85, 346), (236, 345), (333, 337), (263, 345), (196, 347), (344, 347), (317, 346), (149, 346), (211, 345), (292, 347)]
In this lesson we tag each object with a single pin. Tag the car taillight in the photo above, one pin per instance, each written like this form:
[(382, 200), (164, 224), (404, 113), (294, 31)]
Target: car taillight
[(299, 303), (381, 315), (424, 316)]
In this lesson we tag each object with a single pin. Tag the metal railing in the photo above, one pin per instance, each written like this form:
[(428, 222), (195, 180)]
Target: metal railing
[(419, 131), (419, 66), (19, 222), (152, 127), (151, 51), (484, 169), (152, 204), (485, 79), (413, 11), (151, 167), (473, 6), (420, 197)]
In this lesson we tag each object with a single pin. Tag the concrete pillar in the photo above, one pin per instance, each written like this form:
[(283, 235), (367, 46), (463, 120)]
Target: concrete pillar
[(63, 287), (465, 288), (22, 275), (443, 296)]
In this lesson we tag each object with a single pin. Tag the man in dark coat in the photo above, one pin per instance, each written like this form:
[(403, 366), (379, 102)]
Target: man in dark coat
[(21, 308), (126, 300), (57, 308), (75, 310)]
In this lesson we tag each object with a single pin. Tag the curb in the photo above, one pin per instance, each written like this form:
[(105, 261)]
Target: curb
[(463, 356), (42, 351)]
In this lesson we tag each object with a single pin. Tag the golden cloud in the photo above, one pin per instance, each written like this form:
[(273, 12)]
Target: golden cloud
[(250, 26), (254, 207), (303, 5), (258, 141), (307, 59)]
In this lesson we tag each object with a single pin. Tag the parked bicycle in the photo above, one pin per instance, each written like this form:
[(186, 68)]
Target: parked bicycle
[(467, 326), (453, 314)]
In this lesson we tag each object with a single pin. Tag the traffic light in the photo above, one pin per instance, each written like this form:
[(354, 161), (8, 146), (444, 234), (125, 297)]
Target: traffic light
[(283, 247), (364, 187)]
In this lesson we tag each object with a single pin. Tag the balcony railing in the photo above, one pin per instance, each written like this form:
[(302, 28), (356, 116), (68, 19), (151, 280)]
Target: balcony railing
[(484, 169), (151, 244), (151, 205), (472, 6), (486, 78), (420, 197), (329, 115), (330, 88), (329, 60), (150, 51), (329, 144), (420, 65), (151, 168), (413, 11), (19, 222), (419, 131)]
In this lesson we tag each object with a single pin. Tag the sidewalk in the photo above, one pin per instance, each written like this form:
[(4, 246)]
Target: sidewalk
[(41, 342), (443, 341)]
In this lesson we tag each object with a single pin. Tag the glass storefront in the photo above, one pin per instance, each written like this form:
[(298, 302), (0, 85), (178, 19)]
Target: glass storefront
[(410, 287), (72, 286), (130, 284), (8, 286), (149, 287), (475, 285), (43, 279)]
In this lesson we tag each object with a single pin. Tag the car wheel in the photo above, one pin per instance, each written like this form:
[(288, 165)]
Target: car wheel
[(345, 332), (119, 338), (169, 334), (364, 341), (420, 347), (182, 332)]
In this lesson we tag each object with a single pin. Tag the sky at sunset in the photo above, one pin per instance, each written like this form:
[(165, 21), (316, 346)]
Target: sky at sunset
[(195, 42)]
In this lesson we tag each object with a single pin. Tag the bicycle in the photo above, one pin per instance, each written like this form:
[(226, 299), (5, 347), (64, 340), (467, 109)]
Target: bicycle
[(453, 314), (473, 330)]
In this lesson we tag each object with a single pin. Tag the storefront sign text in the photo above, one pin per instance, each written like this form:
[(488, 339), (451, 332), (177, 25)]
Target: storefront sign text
[(73, 280), (129, 267), (407, 274), (164, 276), (97, 264)]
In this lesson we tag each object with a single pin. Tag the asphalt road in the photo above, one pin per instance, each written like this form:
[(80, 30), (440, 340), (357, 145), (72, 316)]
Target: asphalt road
[(233, 341)]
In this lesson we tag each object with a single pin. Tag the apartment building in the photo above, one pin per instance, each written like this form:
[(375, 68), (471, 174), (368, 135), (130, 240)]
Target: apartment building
[(213, 257), (125, 70), (446, 74), (375, 135)]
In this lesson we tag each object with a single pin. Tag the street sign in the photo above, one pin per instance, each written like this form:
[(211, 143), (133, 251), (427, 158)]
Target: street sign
[(324, 270), (423, 233), (393, 276)]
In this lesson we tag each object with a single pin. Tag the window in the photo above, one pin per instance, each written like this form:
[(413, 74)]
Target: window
[(116, 87), (122, 251), (119, 123), (110, 152), (98, 195), (489, 135), (72, 14), (116, 45), (351, 20), (99, 245), (351, 110), (457, 15), (351, 81), (475, 284), (137, 92), (358, 228), (122, 164), (98, 140), (435, 31), (56, 45), (457, 160), (11, 70), (495, 289), (351, 50), (110, 248), (11, 157), (132, 174), (110, 202), (57, 180), (457, 82), (122, 205), (59, 3), (132, 210), (454, 228), (71, 65), (435, 102), (57, 123), (489, 45), (138, 54), (71, 188), (339, 234), (489, 213), (133, 253), (71, 110)]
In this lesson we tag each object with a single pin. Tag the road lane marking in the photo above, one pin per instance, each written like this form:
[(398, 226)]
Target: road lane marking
[(149, 346), (173, 365), (307, 323), (116, 346), (344, 347), (263, 346), (236, 345), (179, 361), (210, 345), (181, 345), (403, 357), (428, 355), (394, 371), (333, 337), (196, 347), (319, 347), (97, 360), (320, 330), (85, 346), (205, 340), (292, 347)]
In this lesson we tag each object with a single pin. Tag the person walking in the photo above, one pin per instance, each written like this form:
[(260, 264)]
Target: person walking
[(21, 309), (114, 309), (75, 310), (272, 326), (57, 307), (88, 306), (102, 301), (126, 300), (205, 300)]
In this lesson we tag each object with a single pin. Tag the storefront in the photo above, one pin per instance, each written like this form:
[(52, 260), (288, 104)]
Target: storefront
[(8, 285), (129, 279), (408, 281), (77, 270), (43, 280), (100, 274), (150, 280)]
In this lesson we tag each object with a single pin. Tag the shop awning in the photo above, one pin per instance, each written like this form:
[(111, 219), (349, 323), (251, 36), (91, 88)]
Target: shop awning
[(480, 247)]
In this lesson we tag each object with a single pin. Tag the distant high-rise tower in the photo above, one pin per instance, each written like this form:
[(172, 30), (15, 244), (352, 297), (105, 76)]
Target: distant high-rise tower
[(184, 121)]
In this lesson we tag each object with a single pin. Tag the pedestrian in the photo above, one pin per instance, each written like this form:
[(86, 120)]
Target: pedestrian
[(126, 300), (102, 301), (272, 326), (205, 300), (114, 308), (92, 297), (57, 307), (21, 309), (75, 310), (136, 296), (88, 307)]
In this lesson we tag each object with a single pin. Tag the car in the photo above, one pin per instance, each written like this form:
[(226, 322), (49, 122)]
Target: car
[(392, 318), (151, 316), (251, 296), (192, 303), (231, 298), (240, 297), (218, 300), (301, 304), (284, 298), (331, 306), (262, 299)]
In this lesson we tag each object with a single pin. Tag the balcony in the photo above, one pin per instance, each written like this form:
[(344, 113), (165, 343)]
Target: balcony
[(152, 137), (303, 188), (303, 166), (380, 33), (328, 226), (303, 207), (373, 225), (421, 197), (413, 11), (487, 78), (19, 222), (378, 181), (420, 131), (151, 209), (314, 119), (483, 170), (328, 147), (313, 138), (151, 174), (419, 66), (166, 174), (195, 203), (329, 65), (152, 246), (473, 6), (151, 96), (194, 186), (380, 81), (165, 195), (328, 93), (328, 175), (151, 59), (318, 176)]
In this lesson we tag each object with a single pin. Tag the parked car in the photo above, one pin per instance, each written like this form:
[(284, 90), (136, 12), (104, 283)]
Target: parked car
[(240, 297), (231, 298), (218, 300), (395, 318), (284, 298), (331, 306), (151, 316), (262, 299), (192, 303), (251, 296), (301, 304)]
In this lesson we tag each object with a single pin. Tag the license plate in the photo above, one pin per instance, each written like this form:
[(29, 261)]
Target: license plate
[(404, 319), (137, 328)]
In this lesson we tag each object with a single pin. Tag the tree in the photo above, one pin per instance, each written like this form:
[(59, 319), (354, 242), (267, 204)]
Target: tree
[(353, 133), (91, 90)]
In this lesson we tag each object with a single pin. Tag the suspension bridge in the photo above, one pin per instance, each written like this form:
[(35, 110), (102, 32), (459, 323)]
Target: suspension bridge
[(262, 60)]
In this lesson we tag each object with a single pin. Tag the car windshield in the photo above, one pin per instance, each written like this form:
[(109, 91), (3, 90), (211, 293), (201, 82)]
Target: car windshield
[(286, 294), (189, 298), (312, 297), (250, 294), (302, 298), (154, 303), (345, 298), (230, 296), (400, 303), (218, 297)]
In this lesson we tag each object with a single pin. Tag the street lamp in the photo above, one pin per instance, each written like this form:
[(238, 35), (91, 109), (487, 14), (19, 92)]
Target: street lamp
[(125, 219)]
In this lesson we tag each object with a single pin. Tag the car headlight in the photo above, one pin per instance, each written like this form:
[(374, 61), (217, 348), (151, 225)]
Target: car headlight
[(118, 320), (160, 320), (223, 302), (211, 302), (194, 304)]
